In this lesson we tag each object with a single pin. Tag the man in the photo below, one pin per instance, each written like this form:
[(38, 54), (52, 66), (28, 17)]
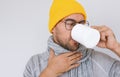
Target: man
[(65, 57)]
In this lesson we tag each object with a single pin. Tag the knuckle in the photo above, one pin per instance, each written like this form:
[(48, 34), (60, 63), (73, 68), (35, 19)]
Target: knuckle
[(110, 31), (65, 59), (104, 26), (75, 65), (103, 33), (79, 58), (76, 55)]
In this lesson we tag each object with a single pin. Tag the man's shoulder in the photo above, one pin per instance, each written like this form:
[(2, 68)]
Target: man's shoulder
[(103, 60), (35, 63), (37, 59), (100, 56), (41, 56)]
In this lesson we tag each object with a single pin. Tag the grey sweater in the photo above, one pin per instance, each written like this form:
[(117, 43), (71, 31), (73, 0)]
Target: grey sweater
[(93, 63)]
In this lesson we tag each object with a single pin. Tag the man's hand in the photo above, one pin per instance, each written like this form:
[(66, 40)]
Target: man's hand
[(60, 64), (63, 62), (107, 39)]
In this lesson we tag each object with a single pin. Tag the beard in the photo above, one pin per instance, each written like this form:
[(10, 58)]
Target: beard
[(69, 44)]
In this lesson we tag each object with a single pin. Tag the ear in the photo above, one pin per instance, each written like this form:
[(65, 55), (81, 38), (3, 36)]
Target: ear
[(53, 31)]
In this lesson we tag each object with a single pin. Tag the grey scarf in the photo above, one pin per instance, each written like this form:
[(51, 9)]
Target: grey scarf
[(85, 68)]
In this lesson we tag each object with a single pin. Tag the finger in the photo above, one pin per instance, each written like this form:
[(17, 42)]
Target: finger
[(96, 27), (101, 28), (103, 36), (101, 44), (75, 60), (74, 56), (74, 66), (104, 28), (67, 54), (52, 54)]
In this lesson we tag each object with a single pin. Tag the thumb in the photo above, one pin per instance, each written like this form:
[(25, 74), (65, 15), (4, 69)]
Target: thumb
[(52, 53)]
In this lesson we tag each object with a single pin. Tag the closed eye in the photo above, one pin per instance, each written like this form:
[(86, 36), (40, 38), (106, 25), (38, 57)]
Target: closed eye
[(82, 22)]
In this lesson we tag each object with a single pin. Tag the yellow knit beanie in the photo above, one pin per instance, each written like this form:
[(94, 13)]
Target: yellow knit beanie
[(63, 8)]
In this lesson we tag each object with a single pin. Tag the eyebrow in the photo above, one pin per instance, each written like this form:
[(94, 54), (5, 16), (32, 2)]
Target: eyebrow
[(70, 20), (82, 21)]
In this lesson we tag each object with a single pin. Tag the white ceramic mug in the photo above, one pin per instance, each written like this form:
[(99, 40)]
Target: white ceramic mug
[(85, 35)]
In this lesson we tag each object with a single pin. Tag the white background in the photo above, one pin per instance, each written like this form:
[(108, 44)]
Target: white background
[(24, 29)]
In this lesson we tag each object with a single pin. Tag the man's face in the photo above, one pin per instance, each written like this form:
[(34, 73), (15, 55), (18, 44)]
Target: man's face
[(62, 33)]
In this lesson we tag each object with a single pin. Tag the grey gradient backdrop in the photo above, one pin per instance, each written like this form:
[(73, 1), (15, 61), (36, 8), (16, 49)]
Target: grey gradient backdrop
[(24, 31)]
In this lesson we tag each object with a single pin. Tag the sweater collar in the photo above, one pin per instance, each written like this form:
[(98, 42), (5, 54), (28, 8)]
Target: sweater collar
[(58, 49)]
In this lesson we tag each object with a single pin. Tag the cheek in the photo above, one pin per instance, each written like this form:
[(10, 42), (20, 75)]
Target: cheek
[(62, 34), (65, 34)]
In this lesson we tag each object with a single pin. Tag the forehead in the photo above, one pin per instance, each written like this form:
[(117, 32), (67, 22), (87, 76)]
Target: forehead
[(76, 17)]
